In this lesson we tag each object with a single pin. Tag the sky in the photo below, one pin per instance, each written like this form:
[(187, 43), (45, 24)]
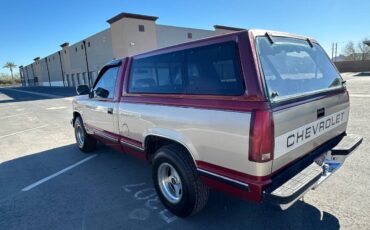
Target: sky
[(29, 29)]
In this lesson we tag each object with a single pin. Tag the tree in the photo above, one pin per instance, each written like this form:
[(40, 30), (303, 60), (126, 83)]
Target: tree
[(364, 49), (357, 53), (350, 51), (10, 66)]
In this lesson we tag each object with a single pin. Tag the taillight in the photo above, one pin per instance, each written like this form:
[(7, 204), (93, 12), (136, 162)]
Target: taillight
[(261, 137)]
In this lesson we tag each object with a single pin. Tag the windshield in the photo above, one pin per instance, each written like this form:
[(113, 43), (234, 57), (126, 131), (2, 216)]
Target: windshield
[(293, 68)]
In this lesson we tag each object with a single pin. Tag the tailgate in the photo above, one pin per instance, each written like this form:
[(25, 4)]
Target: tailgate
[(301, 129)]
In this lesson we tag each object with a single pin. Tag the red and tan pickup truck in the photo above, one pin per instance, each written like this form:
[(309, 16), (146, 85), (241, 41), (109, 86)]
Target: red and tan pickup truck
[(259, 114)]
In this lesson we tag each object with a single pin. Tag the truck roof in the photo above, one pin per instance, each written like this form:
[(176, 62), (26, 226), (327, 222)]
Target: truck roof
[(250, 32)]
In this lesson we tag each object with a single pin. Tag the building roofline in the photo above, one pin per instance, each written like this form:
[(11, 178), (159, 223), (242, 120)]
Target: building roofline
[(36, 58), (64, 44), (184, 27), (228, 28), (130, 15)]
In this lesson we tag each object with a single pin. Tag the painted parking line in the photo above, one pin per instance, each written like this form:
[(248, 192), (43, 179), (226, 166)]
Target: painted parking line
[(15, 115), (359, 95), (23, 131), (37, 183), (55, 108)]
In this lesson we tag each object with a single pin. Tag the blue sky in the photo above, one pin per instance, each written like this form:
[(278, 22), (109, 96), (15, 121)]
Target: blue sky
[(36, 28)]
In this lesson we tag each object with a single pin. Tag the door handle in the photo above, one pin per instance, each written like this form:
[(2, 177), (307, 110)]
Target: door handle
[(110, 111)]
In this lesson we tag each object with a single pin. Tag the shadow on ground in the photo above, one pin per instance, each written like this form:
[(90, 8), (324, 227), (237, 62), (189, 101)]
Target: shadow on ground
[(91, 196), (363, 74), (8, 95)]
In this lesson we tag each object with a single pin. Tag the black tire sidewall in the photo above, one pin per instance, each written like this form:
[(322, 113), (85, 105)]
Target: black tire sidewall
[(78, 122), (188, 199)]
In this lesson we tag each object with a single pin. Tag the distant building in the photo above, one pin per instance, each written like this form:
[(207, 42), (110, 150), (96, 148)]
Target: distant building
[(127, 35)]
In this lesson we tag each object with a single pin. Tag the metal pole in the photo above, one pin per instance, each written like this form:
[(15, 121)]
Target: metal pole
[(87, 62), (47, 68), (28, 78), (21, 75), (336, 49), (61, 67), (33, 73), (332, 51)]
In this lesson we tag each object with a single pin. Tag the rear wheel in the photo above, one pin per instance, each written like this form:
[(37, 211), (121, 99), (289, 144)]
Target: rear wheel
[(176, 181), (85, 142)]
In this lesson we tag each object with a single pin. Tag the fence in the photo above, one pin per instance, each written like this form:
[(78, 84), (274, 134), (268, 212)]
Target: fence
[(353, 66)]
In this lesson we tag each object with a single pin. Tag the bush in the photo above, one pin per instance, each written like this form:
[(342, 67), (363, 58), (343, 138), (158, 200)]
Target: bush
[(8, 80)]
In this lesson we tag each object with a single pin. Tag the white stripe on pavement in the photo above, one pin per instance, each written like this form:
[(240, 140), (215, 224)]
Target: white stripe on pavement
[(15, 115), (29, 187), (54, 108), (359, 95), (23, 131)]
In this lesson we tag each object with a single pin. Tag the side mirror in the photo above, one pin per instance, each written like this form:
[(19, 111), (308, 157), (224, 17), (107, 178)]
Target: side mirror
[(82, 89), (103, 93)]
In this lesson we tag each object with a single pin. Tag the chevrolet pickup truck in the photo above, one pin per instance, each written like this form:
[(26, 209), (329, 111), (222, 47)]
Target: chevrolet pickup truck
[(261, 115)]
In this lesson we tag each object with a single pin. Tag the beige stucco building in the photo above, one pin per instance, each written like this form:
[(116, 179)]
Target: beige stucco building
[(128, 34)]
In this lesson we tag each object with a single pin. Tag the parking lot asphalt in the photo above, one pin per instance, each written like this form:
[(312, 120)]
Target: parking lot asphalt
[(47, 183)]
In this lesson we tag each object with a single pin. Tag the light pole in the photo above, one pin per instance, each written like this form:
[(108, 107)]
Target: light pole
[(87, 64)]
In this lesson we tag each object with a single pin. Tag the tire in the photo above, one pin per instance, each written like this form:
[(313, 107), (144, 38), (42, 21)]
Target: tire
[(86, 143), (193, 195)]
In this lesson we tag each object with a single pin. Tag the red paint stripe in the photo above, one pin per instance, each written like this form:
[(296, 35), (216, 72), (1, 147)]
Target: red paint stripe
[(117, 136), (225, 188), (97, 130), (233, 174), (232, 103), (134, 153), (132, 142), (119, 146), (256, 184)]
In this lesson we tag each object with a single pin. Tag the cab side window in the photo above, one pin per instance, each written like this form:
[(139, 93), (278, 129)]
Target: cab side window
[(207, 70), (158, 74), (105, 86)]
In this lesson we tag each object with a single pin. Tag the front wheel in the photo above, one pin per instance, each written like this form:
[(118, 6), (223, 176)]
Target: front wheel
[(176, 181), (85, 142)]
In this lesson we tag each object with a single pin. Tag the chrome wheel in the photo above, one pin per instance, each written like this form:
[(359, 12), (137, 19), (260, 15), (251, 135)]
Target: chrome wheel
[(80, 135), (170, 183)]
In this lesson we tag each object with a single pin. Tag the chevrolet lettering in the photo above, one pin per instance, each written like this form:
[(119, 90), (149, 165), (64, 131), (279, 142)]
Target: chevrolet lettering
[(260, 115)]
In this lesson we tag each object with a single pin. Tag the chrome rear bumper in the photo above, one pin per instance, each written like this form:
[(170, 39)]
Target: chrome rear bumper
[(287, 191)]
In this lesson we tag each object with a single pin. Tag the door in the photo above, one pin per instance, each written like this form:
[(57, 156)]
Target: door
[(101, 109)]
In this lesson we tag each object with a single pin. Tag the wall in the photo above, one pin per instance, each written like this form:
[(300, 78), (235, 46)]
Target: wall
[(353, 66), (28, 74), (127, 40), (100, 50), (172, 35), (36, 71), (56, 78), (77, 58), (43, 76)]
